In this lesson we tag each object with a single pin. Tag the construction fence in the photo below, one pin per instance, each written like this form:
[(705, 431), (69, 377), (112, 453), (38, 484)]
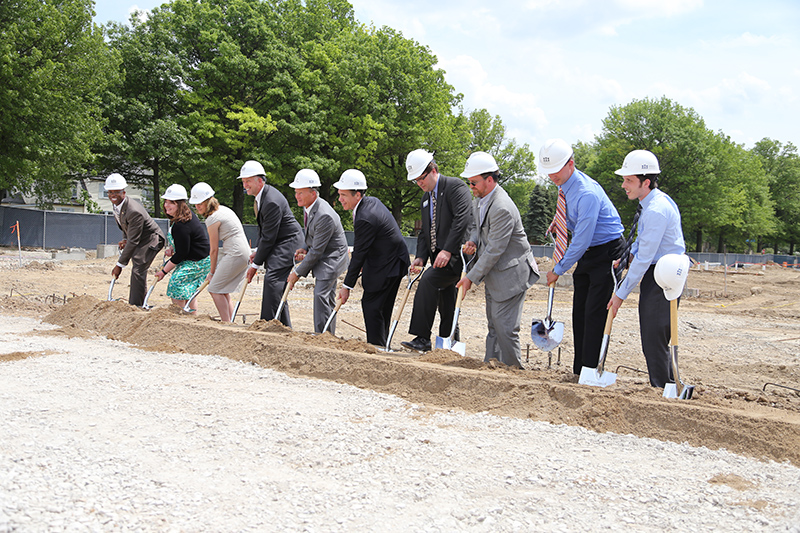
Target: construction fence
[(61, 230)]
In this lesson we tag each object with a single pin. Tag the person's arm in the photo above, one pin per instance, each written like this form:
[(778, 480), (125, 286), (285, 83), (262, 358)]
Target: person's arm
[(652, 226), (324, 224), (501, 226), (213, 243)]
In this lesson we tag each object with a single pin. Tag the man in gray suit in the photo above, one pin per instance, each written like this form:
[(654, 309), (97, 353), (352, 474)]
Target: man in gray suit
[(325, 253), (279, 235), (142, 237), (504, 263)]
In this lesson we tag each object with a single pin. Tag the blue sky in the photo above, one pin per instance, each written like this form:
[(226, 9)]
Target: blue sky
[(553, 68)]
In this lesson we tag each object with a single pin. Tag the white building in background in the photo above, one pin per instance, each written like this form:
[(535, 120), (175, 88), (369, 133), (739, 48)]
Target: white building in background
[(93, 186)]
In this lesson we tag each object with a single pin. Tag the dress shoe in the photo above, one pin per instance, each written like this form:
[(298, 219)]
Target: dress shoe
[(418, 344)]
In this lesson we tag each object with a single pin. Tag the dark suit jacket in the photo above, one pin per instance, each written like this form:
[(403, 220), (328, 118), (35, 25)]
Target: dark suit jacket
[(453, 220), (139, 229), (325, 242), (279, 233), (379, 250)]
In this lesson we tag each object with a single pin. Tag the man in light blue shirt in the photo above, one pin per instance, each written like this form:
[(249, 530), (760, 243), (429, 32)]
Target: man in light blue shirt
[(596, 242), (659, 233)]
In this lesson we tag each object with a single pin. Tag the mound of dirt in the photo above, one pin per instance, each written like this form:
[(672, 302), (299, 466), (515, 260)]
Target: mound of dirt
[(444, 379)]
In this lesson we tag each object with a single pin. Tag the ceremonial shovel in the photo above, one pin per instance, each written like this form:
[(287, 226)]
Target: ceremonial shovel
[(399, 312), (111, 288), (673, 279), (186, 308), (450, 343), (547, 334), (241, 296), (597, 377)]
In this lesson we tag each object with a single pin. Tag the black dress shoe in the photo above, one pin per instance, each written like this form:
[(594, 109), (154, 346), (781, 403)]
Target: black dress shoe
[(418, 344)]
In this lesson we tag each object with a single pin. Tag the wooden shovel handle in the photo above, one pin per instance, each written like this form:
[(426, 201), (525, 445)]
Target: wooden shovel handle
[(673, 322), (609, 321)]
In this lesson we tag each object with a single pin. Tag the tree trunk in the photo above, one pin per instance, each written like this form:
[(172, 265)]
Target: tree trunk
[(156, 189), (721, 243), (238, 199), (698, 247)]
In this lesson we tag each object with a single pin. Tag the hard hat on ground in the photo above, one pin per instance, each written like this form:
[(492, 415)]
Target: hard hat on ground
[(115, 182), (416, 163), (554, 155), (671, 272), (250, 169), (175, 192), (352, 180), (479, 163), (639, 162), (200, 193), (305, 178)]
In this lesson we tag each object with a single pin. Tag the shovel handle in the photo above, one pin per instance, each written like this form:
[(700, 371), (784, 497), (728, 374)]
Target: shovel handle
[(460, 295), (403, 301), (609, 321), (673, 322)]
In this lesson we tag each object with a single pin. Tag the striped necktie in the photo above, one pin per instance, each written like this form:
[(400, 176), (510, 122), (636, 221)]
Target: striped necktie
[(433, 222), (560, 223)]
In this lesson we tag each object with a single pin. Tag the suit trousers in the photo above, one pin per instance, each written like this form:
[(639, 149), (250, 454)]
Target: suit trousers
[(324, 302), (593, 286), (654, 328), (377, 307), (140, 263), (502, 341), (274, 284), (436, 289)]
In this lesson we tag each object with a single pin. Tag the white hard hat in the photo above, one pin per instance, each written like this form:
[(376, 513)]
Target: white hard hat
[(200, 193), (671, 272), (251, 168), (175, 192), (639, 162), (479, 163), (554, 155), (115, 182), (352, 180), (416, 163), (305, 178)]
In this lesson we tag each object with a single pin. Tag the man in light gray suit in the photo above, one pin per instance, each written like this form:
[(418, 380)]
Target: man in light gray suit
[(505, 263), (325, 253)]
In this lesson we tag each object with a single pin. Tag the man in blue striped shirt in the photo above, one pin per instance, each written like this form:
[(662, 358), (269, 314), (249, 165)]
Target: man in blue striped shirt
[(596, 242), (659, 233)]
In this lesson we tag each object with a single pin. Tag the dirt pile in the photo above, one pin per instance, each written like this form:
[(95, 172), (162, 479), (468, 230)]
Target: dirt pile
[(442, 379)]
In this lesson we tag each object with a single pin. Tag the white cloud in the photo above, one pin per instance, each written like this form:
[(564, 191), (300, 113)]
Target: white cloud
[(748, 40), (660, 8)]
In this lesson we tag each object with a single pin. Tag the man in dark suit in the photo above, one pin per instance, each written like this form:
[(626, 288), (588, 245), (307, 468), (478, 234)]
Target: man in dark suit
[(446, 211), (279, 235), (142, 237), (325, 251), (379, 253)]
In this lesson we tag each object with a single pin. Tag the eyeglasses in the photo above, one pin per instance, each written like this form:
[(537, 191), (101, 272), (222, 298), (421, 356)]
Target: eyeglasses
[(421, 178), (474, 182)]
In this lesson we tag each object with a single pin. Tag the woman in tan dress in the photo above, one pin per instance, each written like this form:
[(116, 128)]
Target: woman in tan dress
[(228, 263)]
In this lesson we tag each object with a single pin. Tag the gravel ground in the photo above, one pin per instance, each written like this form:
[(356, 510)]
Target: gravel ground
[(99, 436)]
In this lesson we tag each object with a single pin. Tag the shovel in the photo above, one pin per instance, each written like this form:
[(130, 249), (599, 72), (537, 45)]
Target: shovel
[(153, 286), (547, 334), (333, 314), (111, 288), (597, 377), (186, 308), (678, 389), (241, 296), (399, 312), (283, 302), (450, 343)]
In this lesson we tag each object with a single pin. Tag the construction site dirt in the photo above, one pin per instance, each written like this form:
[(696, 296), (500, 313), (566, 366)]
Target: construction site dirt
[(739, 338)]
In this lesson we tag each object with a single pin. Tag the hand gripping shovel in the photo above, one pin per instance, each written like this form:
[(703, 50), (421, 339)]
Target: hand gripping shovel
[(450, 343), (399, 312), (670, 274), (547, 334), (598, 377), (186, 308)]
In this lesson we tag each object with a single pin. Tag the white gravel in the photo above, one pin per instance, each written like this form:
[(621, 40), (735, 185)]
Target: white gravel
[(104, 437)]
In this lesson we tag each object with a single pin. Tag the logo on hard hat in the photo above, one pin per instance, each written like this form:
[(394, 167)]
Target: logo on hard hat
[(545, 159)]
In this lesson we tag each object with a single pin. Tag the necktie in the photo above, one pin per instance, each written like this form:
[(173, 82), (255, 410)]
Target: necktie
[(433, 222), (305, 218), (626, 253), (255, 209), (560, 223)]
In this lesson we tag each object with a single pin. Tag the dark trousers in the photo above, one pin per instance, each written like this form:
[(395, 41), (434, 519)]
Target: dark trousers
[(594, 285), (435, 289), (274, 284), (140, 264), (377, 307), (654, 329)]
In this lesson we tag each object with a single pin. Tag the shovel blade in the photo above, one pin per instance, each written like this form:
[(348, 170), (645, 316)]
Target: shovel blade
[(671, 391), (459, 347), (590, 376), (547, 339)]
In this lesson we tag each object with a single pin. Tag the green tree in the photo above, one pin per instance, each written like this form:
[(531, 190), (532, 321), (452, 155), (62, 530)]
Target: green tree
[(54, 65), (782, 165), (541, 207)]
